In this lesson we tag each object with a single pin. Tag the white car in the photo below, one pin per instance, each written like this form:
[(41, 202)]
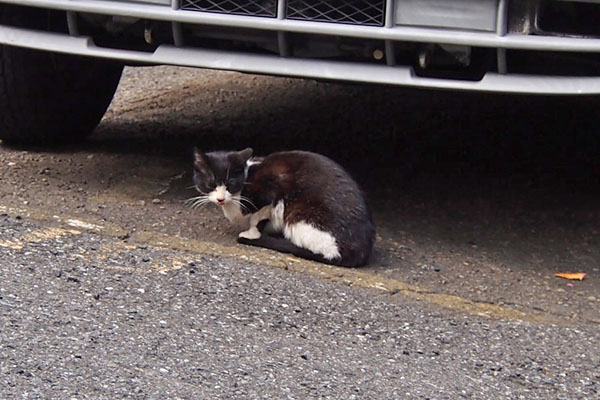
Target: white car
[(60, 60)]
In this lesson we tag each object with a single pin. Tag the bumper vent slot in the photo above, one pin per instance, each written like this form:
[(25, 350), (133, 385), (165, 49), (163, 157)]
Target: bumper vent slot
[(356, 12), (256, 8)]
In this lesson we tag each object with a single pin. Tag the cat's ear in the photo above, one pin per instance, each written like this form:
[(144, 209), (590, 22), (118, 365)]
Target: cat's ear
[(199, 157), (246, 154)]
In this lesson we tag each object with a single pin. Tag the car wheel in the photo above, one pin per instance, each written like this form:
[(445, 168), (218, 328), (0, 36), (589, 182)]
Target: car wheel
[(48, 98)]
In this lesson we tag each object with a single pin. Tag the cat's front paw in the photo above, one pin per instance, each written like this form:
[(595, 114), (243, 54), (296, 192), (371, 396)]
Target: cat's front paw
[(250, 234)]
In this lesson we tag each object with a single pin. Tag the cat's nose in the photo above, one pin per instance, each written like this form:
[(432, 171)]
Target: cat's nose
[(220, 201)]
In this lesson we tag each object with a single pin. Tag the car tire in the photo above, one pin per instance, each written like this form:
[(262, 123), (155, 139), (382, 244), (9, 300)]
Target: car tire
[(48, 98)]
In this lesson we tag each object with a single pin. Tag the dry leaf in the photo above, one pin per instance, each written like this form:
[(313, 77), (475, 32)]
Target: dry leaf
[(574, 276)]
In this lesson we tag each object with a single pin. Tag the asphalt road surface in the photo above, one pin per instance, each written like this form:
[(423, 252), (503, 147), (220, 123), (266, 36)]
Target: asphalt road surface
[(111, 288)]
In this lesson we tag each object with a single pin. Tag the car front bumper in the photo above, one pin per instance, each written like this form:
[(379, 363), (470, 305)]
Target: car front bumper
[(490, 25)]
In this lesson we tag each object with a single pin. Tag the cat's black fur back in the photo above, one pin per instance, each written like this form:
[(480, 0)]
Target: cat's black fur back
[(317, 191)]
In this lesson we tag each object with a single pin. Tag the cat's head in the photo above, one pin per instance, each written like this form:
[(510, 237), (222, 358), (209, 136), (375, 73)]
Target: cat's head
[(220, 175)]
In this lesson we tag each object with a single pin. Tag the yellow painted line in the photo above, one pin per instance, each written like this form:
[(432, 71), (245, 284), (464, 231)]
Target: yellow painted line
[(11, 244), (48, 234), (84, 225), (103, 227), (172, 263), (37, 236), (347, 276), (263, 257)]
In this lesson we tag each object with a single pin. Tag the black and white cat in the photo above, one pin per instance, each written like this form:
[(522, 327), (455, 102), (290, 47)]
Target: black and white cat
[(314, 209)]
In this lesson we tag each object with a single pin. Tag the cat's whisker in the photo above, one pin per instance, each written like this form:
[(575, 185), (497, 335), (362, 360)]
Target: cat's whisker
[(194, 199), (199, 204), (236, 200), (241, 199), (244, 207), (202, 200), (247, 200), (199, 207), (239, 203)]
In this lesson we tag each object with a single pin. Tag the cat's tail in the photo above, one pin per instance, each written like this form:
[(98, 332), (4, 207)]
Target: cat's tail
[(283, 245)]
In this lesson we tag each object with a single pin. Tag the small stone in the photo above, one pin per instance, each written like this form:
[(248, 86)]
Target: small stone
[(156, 201)]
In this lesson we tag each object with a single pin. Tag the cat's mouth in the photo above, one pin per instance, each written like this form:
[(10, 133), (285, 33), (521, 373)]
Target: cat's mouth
[(220, 202)]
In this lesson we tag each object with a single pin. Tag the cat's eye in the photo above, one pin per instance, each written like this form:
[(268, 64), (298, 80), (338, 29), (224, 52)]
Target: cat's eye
[(232, 181)]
